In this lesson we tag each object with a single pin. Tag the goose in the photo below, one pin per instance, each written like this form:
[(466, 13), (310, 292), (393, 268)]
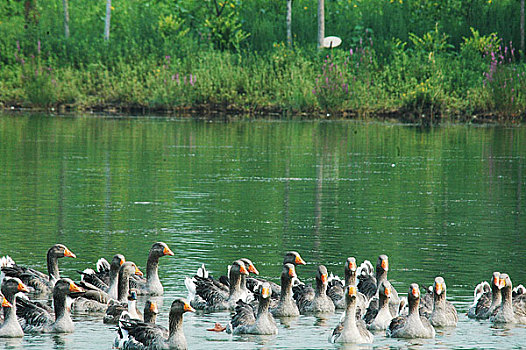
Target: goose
[(105, 277), (286, 306), (335, 289), (508, 311), (35, 319), (368, 284), (206, 295), (311, 300), (412, 325), (125, 297), (350, 329), (145, 336), (486, 298), (10, 287), (443, 313), (38, 281), (379, 318), (152, 284), (247, 321)]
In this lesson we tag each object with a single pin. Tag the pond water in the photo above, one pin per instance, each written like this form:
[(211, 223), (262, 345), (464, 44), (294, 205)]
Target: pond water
[(446, 201)]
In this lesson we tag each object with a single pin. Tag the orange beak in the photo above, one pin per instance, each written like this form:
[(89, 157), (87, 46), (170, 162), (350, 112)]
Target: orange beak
[(299, 260), (502, 283), (122, 261), (252, 268), (138, 272), (187, 307), (153, 307), (292, 273), (265, 292), (415, 292), (69, 253), (352, 290), (352, 266), (74, 288), (439, 288), (496, 281), (6, 303), (387, 291), (324, 278), (167, 251), (22, 287), (243, 270), (385, 265)]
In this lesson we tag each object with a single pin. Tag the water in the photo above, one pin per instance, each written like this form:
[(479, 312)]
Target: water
[(445, 201)]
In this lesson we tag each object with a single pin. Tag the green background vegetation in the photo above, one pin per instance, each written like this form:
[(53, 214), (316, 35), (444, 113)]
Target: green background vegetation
[(415, 59)]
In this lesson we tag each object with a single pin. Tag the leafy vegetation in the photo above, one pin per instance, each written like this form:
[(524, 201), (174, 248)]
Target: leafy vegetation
[(421, 60)]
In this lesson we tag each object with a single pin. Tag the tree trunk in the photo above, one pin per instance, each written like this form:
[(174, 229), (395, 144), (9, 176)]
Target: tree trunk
[(522, 27), (66, 18), (107, 21), (321, 22), (289, 23)]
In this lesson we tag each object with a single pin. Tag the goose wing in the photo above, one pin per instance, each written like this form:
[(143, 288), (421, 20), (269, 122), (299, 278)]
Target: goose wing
[(31, 315)]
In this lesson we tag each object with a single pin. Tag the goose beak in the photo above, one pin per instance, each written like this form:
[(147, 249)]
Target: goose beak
[(22, 287), (502, 283), (385, 265), (352, 266), (265, 292), (243, 270), (416, 292), (352, 290), (167, 251), (496, 281), (438, 288), (387, 291), (138, 272), (252, 268), (292, 273), (324, 278), (74, 288), (6, 303), (69, 253), (187, 307), (153, 307), (122, 261), (299, 260)]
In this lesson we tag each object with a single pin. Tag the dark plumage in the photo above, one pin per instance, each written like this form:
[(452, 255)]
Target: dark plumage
[(151, 285), (142, 335), (443, 313), (487, 298), (379, 318), (286, 306), (11, 328), (39, 282), (35, 319)]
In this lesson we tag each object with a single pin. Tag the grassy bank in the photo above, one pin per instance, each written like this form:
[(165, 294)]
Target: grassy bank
[(397, 61)]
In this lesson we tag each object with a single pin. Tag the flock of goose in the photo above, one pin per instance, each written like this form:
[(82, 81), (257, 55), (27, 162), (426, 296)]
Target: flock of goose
[(370, 302)]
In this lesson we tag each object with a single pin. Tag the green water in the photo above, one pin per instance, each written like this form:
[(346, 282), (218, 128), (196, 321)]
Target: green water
[(446, 201)]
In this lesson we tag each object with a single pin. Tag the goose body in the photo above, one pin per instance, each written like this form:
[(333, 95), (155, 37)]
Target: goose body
[(152, 284), (413, 325), (247, 321), (508, 311), (11, 327), (443, 313), (36, 319), (143, 335), (351, 329), (380, 317), (487, 298), (286, 306), (312, 300), (37, 281), (125, 299)]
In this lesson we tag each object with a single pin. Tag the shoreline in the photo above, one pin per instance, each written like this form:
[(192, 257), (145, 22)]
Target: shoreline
[(218, 111)]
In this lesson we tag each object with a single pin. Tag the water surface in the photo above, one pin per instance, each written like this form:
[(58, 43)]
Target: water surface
[(444, 201)]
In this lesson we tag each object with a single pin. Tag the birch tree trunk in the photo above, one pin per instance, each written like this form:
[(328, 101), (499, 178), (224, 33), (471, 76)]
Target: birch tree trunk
[(66, 18), (289, 23), (522, 27), (107, 21), (321, 22)]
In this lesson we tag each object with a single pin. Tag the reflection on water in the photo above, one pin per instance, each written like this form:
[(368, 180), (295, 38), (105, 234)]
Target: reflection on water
[(445, 201)]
